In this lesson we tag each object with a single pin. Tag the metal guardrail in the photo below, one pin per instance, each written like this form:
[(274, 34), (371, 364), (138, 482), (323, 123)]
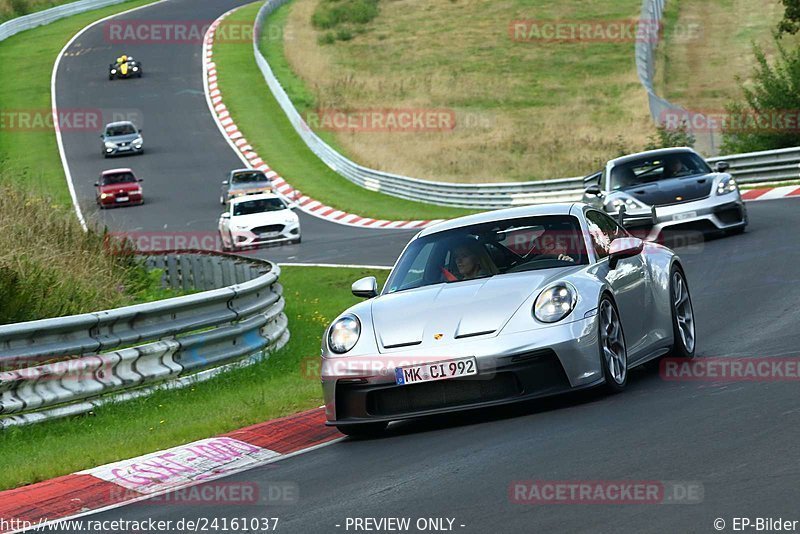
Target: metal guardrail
[(67, 365), (748, 168), (650, 26), (40, 18)]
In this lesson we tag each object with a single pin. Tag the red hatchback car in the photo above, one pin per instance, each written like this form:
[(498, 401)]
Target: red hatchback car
[(118, 187)]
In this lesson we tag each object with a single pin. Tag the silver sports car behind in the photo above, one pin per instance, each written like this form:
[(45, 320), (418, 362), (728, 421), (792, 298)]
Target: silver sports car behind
[(500, 307), (676, 185)]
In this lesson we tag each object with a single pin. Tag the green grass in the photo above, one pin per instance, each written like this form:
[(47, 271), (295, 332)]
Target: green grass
[(280, 386), (265, 126), (30, 158)]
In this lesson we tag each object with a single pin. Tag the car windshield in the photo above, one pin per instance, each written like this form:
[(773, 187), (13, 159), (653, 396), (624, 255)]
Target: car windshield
[(651, 169), (249, 177), (120, 178), (261, 205), (120, 129), (489, 249)]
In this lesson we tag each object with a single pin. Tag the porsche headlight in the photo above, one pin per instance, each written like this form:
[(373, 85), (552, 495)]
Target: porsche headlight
[(555, 302), (135, 69), (630, 203), (113, 71), (727, 185), (344, 334)]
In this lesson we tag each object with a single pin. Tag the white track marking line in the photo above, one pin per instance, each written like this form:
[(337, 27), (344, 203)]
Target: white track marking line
[(54, 105)]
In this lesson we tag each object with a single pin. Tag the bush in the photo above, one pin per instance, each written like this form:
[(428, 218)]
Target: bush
[(20, 7), (343, 34), (772, 96), (669, 137), (326, 38), (345, 16)]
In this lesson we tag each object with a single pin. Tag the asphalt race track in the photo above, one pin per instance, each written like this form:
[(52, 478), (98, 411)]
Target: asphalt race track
[(185, 156), (738, 440)]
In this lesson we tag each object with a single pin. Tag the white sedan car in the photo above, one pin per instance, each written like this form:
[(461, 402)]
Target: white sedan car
[(258, 220)]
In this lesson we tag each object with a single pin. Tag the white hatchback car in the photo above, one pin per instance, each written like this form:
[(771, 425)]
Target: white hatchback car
[(258, 220)]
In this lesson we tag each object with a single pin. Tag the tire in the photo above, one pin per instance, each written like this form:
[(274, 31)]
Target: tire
[(683, 328), (612, 347), (298, 241), (363, 430)]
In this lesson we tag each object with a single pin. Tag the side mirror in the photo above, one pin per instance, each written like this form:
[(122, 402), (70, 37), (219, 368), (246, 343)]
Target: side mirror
[(225, 215), (722, 166), (624, 247), (594, 189), (97, 184), (224, 182), (140, 130), (140, 180), (365, 288)]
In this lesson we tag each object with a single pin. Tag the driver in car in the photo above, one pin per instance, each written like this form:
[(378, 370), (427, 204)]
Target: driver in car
[(675, 167), (552, 243), (471, 261)]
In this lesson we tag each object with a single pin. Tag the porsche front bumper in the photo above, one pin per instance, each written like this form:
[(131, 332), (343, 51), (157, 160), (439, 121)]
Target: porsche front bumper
[(511, 368), (715, 213)]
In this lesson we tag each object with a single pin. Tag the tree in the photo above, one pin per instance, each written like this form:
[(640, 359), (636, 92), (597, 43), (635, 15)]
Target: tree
[(791, 17), (767, 117)]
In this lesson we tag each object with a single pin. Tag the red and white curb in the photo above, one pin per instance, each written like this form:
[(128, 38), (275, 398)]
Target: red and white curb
[(146, 477), (771, 193), (251, 158)]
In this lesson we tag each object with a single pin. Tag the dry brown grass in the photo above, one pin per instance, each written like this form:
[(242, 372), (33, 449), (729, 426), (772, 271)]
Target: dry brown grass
[(523, 110), (700, 73)]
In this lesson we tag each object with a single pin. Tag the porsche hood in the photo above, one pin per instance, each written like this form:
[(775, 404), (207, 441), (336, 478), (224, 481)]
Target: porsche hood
[(457, 311), (673, 190)]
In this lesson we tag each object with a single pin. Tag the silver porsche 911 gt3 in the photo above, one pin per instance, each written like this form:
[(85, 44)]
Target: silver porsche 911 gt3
[(500, 307)]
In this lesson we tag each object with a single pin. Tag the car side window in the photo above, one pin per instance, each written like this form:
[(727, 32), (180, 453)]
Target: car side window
[(602, 231)]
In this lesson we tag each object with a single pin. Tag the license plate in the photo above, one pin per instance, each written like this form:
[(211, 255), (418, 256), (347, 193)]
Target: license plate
[(429, 372), (122, 199), (270, 234), (684, 216)]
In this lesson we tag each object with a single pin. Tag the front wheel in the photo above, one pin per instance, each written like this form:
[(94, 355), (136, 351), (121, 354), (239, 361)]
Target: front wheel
[(363, 430), (683, 330), (613, 351)]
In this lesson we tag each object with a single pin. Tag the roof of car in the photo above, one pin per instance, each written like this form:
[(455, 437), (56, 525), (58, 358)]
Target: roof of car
[(651, 153), (500, 215), (260, 196), (236, 171), (119, 123), (115, 171)]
